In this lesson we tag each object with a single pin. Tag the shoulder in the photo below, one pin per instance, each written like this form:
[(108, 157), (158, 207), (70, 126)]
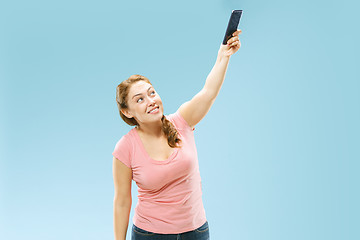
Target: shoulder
[(123, 150), (126, 139), (179, 121)]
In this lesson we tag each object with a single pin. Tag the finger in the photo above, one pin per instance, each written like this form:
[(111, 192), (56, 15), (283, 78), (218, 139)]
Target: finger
[(233, 39), (234, 43), (230, 43), (238, 45), (237, 32)]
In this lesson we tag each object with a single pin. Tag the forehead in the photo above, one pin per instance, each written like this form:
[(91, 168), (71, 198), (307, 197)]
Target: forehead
[(139, 87)]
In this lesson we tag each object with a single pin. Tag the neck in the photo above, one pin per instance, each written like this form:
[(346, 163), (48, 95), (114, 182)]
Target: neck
[(151, 129)]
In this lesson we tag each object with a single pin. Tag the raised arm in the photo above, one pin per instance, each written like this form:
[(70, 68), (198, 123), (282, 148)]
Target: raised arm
[(196, 109)]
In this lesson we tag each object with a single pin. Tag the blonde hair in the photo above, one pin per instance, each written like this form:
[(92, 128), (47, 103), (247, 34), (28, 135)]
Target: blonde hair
[(122, 91)]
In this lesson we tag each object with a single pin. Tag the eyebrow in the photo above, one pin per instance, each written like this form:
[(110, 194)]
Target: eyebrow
[(141, 93)]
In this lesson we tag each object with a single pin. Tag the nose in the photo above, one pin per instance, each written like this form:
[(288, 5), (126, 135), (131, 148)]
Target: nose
[(151, 101)]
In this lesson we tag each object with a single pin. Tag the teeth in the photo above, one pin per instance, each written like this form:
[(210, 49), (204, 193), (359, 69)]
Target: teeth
[(153, 110)]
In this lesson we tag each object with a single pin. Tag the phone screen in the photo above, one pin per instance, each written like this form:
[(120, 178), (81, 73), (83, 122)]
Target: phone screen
[(232, 25)]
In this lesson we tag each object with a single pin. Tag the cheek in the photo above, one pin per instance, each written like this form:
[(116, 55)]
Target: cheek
[(141, 108), (135, 108), (158, 99)]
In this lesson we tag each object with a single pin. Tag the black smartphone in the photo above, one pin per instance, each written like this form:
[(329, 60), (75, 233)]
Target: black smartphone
[(232, 25)]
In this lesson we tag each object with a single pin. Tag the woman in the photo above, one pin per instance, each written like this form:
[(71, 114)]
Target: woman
[(159, 154)]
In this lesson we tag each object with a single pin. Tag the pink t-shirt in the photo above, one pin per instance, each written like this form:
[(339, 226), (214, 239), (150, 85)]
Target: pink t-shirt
[(169, 192)]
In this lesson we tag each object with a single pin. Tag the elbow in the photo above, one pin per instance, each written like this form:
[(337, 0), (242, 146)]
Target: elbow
[(122, 201), (210, 94)]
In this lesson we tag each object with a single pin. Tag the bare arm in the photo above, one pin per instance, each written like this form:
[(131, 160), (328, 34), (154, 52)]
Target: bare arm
[(196, 109), (121, 220), (122, 198)]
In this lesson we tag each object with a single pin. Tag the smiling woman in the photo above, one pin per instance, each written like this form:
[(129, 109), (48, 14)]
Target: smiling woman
[(141, 101), (160, 155)]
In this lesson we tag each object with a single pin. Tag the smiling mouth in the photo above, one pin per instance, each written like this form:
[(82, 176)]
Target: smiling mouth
[(154, 110)]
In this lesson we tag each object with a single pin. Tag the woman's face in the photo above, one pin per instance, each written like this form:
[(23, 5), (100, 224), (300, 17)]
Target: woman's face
[(144, 104)]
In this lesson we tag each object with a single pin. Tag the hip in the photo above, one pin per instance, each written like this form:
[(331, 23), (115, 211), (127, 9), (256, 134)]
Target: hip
[(200, 233)]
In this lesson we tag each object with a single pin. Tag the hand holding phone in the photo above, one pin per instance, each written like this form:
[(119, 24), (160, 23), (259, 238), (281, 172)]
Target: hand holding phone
[(232, 25)]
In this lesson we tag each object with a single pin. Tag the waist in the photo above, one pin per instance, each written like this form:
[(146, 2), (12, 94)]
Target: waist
[(167, 219)]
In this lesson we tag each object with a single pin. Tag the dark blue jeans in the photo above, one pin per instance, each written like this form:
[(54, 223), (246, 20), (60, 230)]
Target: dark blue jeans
[(201, 233)]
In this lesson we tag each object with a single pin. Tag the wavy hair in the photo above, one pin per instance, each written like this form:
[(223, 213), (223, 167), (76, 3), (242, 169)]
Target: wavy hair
[(122, 91)]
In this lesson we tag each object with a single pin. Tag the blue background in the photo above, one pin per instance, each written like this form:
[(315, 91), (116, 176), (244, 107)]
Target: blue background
[(278, 151)]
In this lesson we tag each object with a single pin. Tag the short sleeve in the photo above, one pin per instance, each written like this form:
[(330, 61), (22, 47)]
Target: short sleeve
[(122, 151), (180, 121)]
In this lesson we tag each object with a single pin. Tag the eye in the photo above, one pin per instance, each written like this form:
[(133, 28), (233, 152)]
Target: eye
[(139, 99), (153, 92)]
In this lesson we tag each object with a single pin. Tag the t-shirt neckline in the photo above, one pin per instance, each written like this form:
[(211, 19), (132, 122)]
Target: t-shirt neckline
[(140, 143)]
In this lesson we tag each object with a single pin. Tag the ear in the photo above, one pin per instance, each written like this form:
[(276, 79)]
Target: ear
[(126, 113)]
